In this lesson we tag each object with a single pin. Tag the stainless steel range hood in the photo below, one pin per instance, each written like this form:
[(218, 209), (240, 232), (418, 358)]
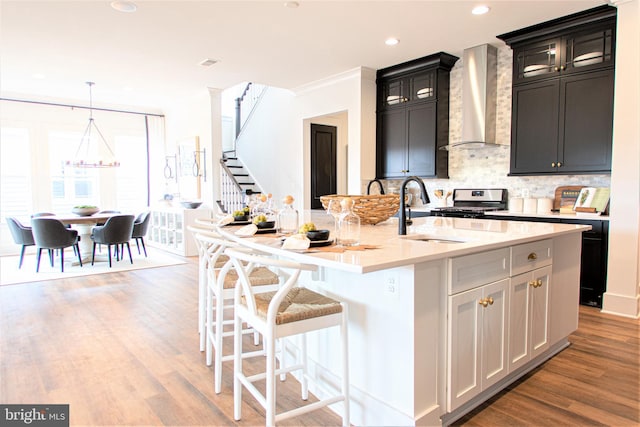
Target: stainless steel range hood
[(479, 87)]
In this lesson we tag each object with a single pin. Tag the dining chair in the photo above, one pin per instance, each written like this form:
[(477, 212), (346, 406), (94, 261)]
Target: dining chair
[(51, 234), (140, 227), (21, 234), (291, 310), (41, 214), (106, 211), (115, 232)]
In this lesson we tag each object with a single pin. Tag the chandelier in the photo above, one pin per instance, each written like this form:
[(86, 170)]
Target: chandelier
[(85, 157)]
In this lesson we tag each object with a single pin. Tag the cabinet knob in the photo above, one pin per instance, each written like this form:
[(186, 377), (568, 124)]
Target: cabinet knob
[(556, 69), (490, 300), (559, 164), (553, 164), (483, 302), (538, 283), (563, 67), (532, 256), (532, 283)]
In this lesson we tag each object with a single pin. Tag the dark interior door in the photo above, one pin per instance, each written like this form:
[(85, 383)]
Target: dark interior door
[(323, 163)]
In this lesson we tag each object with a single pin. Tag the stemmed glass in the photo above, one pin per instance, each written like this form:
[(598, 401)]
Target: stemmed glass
[(334, 209)]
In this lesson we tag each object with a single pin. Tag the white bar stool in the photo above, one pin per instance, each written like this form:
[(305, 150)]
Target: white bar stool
[(203, 258), (220, 286), (289, 311)]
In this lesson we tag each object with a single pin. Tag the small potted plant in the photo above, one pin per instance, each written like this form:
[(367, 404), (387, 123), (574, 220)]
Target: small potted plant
[(241, 214)]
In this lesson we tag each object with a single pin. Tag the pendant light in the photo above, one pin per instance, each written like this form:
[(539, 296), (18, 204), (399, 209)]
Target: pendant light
[(83, 158)]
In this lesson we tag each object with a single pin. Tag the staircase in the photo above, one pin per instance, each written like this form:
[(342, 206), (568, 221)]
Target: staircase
[(236, 184)]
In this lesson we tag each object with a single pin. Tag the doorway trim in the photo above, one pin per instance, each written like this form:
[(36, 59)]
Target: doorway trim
[(340, 121)]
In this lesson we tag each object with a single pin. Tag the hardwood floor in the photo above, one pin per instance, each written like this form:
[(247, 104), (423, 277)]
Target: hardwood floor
[(122, 349)]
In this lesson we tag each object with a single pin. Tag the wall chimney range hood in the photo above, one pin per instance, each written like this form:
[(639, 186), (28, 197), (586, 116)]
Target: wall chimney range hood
[(479, 87)]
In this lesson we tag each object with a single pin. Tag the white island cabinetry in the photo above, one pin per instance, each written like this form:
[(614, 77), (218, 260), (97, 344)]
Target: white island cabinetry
[(529, 306), (423, 347), (478, 305)]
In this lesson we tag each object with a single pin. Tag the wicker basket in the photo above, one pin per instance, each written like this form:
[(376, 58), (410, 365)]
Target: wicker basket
[(371, 209)]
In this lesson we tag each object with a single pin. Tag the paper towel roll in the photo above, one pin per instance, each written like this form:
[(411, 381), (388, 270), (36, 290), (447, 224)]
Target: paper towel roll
[(545, 205), (515, 204), (530, 205)]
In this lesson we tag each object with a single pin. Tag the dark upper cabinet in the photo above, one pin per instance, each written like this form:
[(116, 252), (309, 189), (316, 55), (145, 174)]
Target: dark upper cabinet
[(402, 91), (413, 118), (586, 50), (562, 104)]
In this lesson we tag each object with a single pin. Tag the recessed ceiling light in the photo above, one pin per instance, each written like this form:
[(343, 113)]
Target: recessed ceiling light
[(291, 4), (480, 10), (124, 6), (208, 62), (391, 41)]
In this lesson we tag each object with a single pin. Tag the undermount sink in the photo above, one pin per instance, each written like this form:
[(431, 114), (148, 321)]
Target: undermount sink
[(434, 238)]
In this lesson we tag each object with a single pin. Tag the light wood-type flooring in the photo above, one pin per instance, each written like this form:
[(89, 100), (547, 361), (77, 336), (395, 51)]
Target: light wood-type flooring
[(122, 349)]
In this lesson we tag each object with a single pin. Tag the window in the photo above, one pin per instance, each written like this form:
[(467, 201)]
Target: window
[(36, 141), (15, 164)]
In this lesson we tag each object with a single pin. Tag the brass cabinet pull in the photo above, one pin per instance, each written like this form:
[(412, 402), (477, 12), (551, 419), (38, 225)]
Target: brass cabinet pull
[(553, 164), (486, 301), (556, 69), (535, 283), (532, 256), (563, 67), (559, 164)]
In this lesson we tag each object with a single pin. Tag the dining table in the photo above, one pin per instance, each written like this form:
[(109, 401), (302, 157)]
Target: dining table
[(84, 225)]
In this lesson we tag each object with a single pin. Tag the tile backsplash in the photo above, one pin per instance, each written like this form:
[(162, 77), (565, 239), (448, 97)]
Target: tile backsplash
[(488, 167)]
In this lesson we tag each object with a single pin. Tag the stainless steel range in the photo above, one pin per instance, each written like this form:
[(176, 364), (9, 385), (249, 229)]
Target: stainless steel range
[(474, 202)]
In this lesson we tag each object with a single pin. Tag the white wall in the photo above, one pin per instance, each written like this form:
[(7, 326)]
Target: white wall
[(270, 148), (623, 278), (274, 146), (352, 93), (196, 116)]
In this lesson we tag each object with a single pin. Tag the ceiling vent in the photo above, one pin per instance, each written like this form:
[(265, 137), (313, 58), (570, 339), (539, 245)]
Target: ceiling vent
[(208, 62)]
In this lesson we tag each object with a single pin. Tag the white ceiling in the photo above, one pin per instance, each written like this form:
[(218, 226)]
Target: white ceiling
[(51, 48)]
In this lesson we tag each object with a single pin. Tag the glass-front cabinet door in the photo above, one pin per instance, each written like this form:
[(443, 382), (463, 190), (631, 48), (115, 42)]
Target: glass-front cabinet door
[(589, 49), (394, 92), (422, 86), (536, 61), (578, 52)]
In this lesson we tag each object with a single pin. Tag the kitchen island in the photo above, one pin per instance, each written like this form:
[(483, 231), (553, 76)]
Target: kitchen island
[(445, 317)]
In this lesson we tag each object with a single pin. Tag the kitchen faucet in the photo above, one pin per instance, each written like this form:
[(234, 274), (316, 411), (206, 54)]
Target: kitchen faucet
[(379, 183), (402, 215)]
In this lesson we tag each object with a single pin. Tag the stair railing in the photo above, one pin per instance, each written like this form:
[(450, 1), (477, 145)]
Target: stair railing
[(232, 198), (246, 104)]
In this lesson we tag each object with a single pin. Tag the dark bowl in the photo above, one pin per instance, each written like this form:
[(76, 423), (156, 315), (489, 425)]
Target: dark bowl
[(318, 235), (241, 218), (191, 205), (266, 224)]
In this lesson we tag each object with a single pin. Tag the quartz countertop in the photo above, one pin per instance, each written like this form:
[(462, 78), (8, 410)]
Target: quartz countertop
[(472, 235)]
